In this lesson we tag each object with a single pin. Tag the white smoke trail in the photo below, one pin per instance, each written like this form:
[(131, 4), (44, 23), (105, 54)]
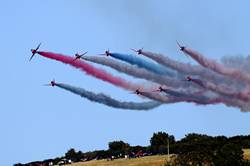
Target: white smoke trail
[(233, 73)]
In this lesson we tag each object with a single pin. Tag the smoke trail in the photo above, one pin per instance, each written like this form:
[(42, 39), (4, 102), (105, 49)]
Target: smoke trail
[(222, 87), (175, 65), (91, 70), (158, 97), (201, 99), (104, 99), (223, 90), (182, 94), (219, 68), (142, 63), (174, 98), (135, 71), (240, 62), (188, 69), (246, 107), (132, 70)]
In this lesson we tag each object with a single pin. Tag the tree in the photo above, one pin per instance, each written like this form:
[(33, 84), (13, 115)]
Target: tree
[(197, 158), (198, 149), (195, 142), (244, 141), (18, 164), (117, 147), (71, 154), (229, 154), (195, 149), (163, 149), (138, 148), (161, 139)]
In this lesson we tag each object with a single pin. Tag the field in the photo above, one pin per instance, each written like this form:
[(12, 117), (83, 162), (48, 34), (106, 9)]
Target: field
[(246, 153), (144, 161)]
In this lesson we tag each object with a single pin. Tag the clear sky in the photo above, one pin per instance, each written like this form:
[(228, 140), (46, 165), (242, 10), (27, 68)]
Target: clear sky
[(38, 122)]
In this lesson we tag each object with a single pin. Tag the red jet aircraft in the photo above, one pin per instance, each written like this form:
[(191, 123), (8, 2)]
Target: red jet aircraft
[(188, 78), (78, 56), (34, 51), (181, 47), (139, 51), (160, 89), (137, 91), (107, 53), (52, 83)]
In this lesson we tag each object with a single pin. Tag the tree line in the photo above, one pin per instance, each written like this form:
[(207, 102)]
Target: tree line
[(193, 149)]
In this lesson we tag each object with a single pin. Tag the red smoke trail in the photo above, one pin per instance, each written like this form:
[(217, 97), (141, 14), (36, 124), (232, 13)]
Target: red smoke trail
[(219, 68), (89, 69)]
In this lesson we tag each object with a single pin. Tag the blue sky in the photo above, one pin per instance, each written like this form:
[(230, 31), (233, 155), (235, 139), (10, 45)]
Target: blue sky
[(38, 122)]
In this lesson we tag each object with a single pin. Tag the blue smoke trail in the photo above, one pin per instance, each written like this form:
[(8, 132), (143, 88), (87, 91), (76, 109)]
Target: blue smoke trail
[(107, 100), (142, 63)]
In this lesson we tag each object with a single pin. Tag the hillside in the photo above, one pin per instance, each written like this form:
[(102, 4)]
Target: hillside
[(156, 160), (246, 153), (144, 161)]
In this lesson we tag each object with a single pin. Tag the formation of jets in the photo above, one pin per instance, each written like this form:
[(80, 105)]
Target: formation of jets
[(107, 53)]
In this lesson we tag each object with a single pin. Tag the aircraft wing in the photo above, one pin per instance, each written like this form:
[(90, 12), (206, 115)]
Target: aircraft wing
[(32, 56)]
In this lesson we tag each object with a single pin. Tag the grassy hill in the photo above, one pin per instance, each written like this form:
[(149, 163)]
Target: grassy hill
[(246, 153), (144, 161)]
